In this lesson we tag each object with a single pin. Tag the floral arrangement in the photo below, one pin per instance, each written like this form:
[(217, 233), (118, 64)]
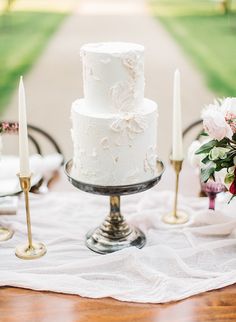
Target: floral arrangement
[(218, 153)]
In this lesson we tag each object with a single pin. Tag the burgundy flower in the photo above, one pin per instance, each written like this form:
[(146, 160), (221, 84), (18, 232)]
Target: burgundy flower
[(232, 188)]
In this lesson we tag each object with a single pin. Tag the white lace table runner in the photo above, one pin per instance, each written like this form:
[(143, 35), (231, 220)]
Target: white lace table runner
[(177, 262)]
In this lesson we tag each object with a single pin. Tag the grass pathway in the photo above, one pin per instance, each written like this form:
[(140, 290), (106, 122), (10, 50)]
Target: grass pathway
[(207, 36), (23, 36)]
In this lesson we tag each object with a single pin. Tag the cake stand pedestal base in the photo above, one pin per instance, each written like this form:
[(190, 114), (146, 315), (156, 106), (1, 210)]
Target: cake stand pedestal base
[(114, 234)]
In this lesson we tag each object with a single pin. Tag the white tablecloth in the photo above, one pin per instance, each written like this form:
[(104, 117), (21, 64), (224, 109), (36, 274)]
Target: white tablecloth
[(177, 262)]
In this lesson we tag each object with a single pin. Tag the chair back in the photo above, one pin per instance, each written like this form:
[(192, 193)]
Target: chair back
[(41, 140)]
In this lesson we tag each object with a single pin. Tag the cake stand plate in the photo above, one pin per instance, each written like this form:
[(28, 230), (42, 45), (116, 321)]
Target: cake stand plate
[(114, 233)]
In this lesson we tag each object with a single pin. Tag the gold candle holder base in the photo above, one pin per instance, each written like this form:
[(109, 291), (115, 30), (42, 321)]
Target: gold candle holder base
[(176, 217), (5, 233), (30, 250), (172, 219), (37, 250)]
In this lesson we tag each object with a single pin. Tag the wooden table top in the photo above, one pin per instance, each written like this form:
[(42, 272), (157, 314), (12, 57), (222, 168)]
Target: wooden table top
[(32, 306)]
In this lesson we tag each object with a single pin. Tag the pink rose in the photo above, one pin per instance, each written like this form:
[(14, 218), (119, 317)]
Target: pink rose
[(215, 124)]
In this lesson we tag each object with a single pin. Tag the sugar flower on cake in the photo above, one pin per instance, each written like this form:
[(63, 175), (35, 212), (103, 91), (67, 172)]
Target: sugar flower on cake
[(150, 160), (128, 125), (218, 155), (123, 96), (130, 60), (133, 63)]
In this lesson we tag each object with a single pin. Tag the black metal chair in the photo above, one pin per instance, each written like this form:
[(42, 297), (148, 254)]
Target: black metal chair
[(195, 129), (192, 127), (37, 138), (7, 127)]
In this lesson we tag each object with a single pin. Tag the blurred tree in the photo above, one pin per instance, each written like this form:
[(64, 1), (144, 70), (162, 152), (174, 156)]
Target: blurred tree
[(8, 5), (6, 10), (226, 5)]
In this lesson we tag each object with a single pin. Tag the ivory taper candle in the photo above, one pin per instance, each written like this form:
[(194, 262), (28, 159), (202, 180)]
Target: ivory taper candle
[(23, 133), (177, 142)]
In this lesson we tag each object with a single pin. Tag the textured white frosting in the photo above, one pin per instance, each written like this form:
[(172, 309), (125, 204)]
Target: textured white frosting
[(114, 149), (113, 76), (114, 129)]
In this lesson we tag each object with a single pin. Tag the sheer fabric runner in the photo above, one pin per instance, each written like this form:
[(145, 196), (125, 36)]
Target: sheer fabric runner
[(176, 263)]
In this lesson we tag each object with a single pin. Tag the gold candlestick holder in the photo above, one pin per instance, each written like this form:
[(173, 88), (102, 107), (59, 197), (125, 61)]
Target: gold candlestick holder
[(5, 233), (30, 250), (176, 217)]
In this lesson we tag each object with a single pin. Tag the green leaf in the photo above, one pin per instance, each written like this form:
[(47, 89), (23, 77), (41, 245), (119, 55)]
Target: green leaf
[(223, 143), (214, 154), (224, 165), (205, 160), (206, 148), (233, 196), (229, 178), (218, 153), (206, 173)]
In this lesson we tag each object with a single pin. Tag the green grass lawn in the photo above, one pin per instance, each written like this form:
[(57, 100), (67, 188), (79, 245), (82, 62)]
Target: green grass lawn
[(23, 35), (207, 35)]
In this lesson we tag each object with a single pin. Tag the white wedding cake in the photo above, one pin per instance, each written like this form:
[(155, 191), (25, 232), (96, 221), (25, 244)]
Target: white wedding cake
[(114, 128)]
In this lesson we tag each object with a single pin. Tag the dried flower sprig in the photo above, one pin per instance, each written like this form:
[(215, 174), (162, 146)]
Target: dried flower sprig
[(9, 127)]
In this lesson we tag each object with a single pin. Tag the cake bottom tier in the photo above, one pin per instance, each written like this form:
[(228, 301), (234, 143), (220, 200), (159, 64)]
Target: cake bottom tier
[(114, 149)]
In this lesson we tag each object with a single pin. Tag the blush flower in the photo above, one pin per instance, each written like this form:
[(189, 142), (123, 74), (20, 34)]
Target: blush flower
[(229, 109), (231, 120), (215, 124)]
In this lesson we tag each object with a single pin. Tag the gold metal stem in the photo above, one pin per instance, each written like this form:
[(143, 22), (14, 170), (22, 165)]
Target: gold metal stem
[(177, 167), (176, 216), (176, 194), (31, 250), (26, 193), (25, 183)]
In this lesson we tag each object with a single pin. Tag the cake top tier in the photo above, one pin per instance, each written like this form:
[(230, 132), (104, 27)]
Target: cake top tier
[(113, 76), (112, 48)]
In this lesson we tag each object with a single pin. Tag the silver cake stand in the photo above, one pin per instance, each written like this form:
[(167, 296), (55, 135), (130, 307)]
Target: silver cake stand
[(114, 233)]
